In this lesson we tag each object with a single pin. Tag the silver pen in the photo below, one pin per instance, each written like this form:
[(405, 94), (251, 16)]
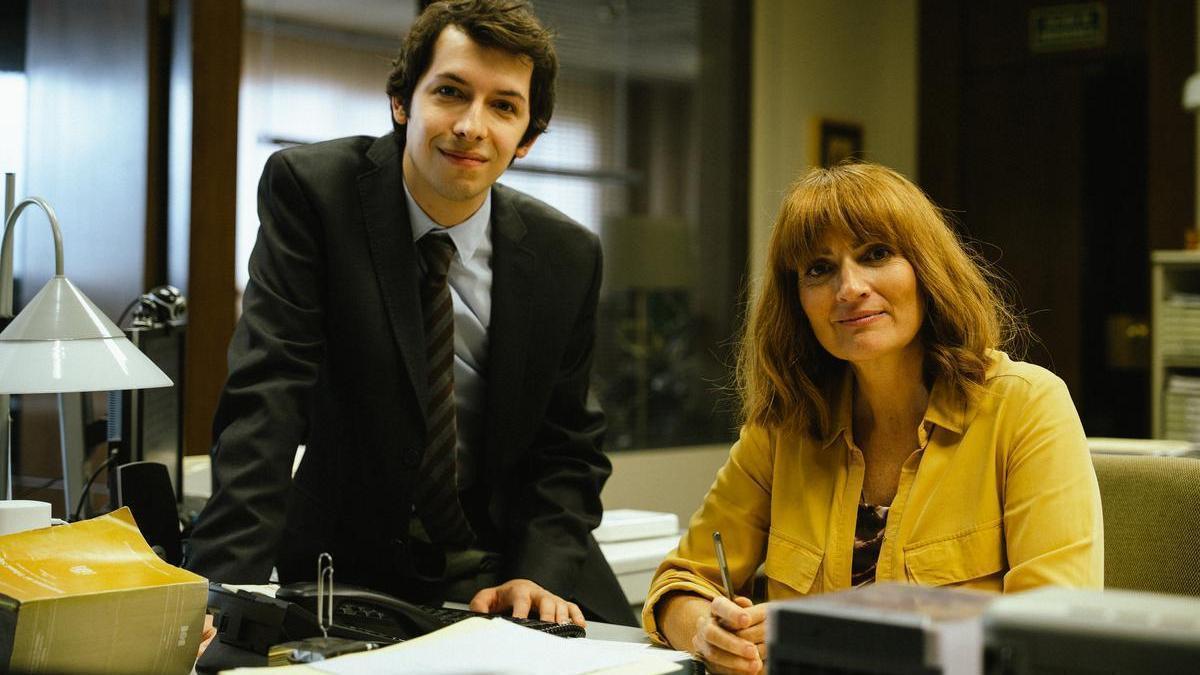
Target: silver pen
[(723, 564)]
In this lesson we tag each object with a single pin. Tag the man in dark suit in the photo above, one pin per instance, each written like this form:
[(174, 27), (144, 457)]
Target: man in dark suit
[(478, 481)]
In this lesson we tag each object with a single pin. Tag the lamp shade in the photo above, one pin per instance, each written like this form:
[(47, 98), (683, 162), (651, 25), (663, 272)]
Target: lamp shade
[(61, 342)]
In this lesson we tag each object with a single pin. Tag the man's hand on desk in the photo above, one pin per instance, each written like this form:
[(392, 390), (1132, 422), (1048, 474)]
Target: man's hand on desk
[(519, 595)]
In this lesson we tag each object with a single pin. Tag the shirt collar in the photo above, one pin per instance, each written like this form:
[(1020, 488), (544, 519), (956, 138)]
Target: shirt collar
[(466, 235), (843, 407), (946, 409)]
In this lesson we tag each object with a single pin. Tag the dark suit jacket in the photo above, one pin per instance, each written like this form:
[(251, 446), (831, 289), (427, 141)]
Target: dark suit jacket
[(329, 353)]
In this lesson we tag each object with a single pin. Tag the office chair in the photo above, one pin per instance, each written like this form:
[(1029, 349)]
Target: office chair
[(1151, 507)]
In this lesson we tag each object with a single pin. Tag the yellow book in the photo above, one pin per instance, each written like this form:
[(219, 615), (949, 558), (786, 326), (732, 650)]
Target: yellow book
[(92, 597)]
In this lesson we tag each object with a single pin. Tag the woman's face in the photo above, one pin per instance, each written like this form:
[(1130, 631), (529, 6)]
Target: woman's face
[(862, 300)]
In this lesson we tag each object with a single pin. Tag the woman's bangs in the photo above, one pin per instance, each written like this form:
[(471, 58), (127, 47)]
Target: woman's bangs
[(806, 225), (852, 220), (870, 217), (841, 205)]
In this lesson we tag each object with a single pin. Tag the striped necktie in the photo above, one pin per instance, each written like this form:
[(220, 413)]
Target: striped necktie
[(435, 495)]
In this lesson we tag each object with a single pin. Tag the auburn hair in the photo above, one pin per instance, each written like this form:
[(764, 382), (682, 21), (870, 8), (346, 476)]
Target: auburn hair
[(784, 375)]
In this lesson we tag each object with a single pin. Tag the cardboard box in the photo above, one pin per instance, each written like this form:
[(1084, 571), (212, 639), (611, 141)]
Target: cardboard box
[(91, 597)]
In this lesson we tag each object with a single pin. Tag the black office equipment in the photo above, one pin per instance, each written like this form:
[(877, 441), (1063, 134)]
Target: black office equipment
[(382, 613), (255, 622), (1064, 631), (147, 424), (323, 646), (145, 487), (881, 629)]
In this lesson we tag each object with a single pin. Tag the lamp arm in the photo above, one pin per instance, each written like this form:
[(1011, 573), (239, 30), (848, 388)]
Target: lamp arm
[(6, 272)]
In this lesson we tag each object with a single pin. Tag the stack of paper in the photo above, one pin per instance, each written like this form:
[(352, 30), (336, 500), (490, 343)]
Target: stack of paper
[(1182, 408), (497, 647), (1179, 326), (630, 524), (634, 543)]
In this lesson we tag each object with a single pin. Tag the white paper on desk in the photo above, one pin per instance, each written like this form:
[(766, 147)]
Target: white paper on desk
[(636, 649), (495, 647), (262, 589)]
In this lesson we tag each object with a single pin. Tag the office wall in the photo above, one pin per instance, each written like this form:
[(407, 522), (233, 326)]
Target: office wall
[(852, 61), (672, 480)]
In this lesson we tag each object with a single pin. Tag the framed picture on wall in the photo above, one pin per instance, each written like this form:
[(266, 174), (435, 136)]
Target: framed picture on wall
[(834, 141)]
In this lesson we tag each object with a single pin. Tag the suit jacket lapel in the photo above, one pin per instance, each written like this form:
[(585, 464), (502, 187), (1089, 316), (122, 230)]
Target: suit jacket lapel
[(393, 257), (513, 293)]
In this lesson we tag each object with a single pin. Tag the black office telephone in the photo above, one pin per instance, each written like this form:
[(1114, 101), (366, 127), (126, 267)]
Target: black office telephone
[(365, 609), (255, 622)]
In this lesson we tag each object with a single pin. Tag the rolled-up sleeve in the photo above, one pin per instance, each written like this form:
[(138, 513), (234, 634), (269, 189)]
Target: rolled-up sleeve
[(738, 505)]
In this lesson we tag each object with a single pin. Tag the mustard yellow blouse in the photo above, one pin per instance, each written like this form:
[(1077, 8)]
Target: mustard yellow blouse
[(1003, 498)]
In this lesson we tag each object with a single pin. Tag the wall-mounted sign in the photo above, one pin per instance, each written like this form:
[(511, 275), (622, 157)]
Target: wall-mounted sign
[(1056, 28)]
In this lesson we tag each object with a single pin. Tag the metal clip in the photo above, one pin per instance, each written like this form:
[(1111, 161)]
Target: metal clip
[(325, 593)]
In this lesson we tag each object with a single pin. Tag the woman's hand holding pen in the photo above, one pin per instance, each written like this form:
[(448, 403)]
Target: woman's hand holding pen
[(732, 637)]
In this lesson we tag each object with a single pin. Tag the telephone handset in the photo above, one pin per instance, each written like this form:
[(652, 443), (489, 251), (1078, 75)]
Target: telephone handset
[(366, 609), (362, 608), (255, 622)]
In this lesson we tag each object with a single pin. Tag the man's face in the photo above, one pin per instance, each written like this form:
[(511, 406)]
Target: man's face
[(469, 112)]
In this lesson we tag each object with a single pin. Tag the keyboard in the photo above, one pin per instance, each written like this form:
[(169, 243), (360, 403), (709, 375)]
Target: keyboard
[(450, 615)]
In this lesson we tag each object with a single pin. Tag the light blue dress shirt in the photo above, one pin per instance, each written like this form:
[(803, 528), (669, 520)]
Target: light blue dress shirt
[(470, 280)]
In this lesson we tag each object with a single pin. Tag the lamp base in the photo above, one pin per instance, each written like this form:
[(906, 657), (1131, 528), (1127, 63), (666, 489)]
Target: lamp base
[(18, 515)]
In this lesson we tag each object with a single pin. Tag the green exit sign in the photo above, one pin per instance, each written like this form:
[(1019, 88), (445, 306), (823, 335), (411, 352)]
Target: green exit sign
[(1056, 28)]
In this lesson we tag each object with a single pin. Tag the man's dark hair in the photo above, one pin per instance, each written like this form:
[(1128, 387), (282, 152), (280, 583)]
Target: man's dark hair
[(509, 25)]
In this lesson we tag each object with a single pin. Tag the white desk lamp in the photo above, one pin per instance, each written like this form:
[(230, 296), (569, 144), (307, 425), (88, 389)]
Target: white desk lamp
[(61, 344)]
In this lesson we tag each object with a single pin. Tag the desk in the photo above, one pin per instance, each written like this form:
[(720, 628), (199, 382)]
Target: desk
[(616, 633), (221, 656)]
